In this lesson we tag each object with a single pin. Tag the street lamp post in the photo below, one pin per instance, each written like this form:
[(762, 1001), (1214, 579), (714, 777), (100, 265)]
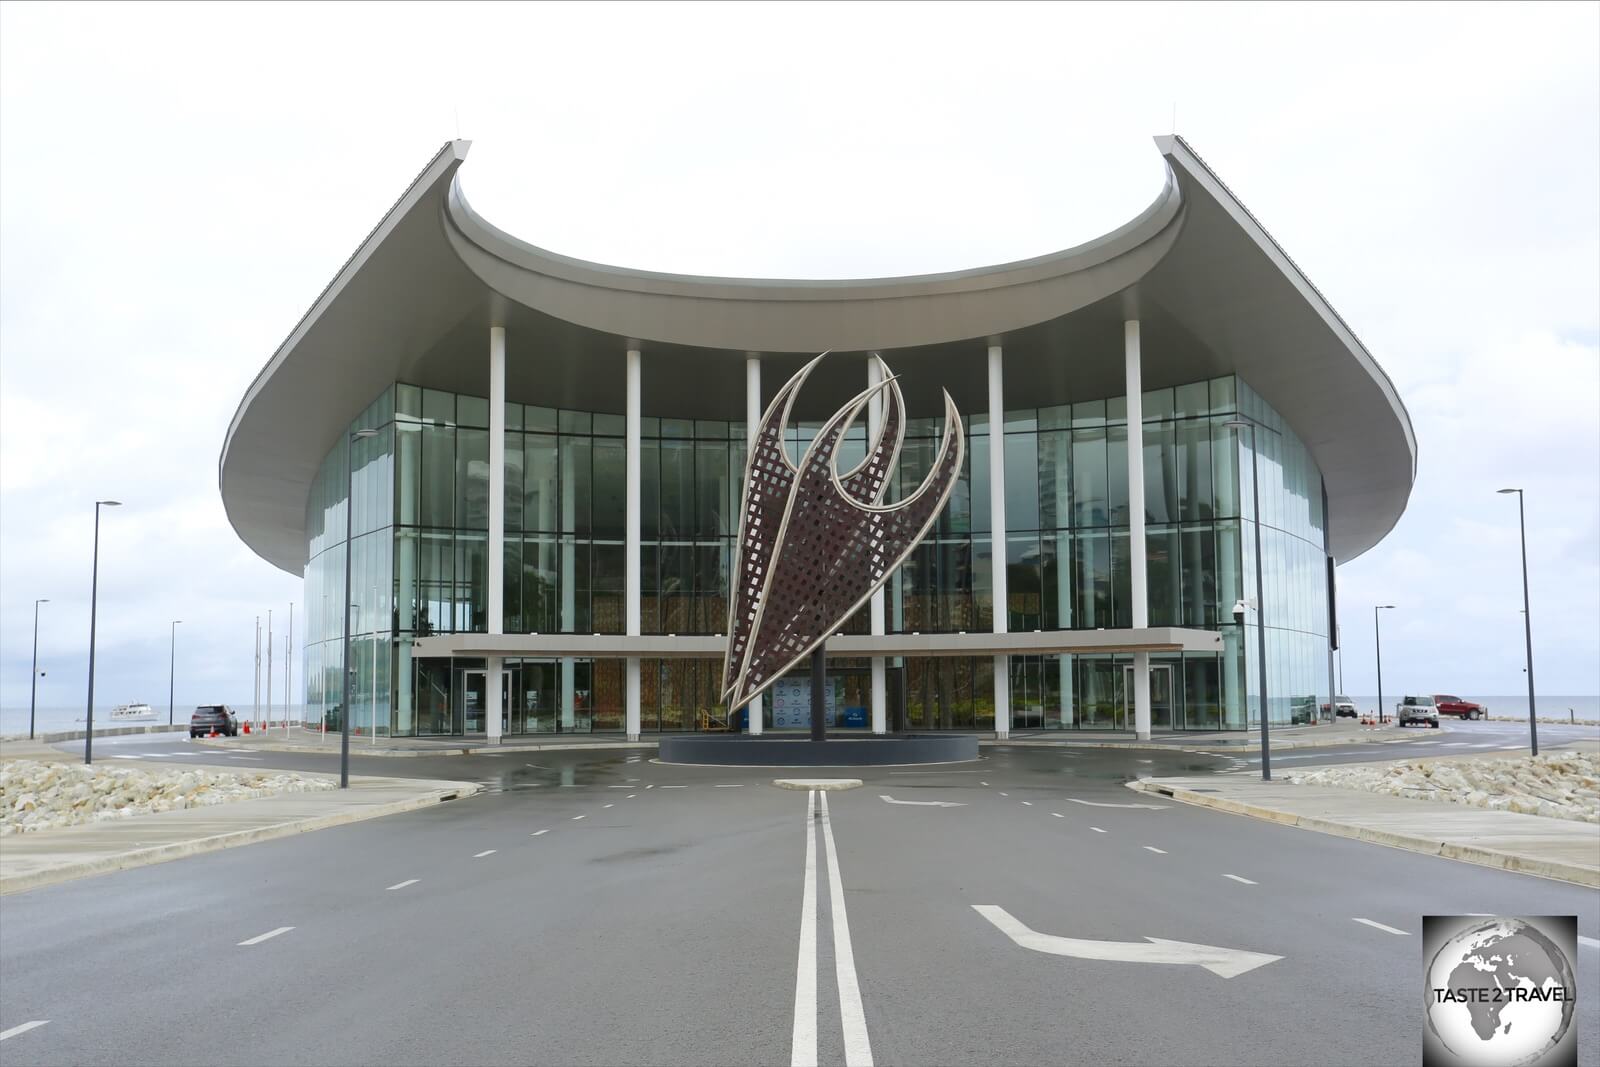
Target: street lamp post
[(94, 594), (1377, 641), (1240, 423), (1527, 622), (344, 660), (33, 679), (172, 665)]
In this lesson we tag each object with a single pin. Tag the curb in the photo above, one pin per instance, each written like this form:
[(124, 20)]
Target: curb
[(1486, 857), (122, 861), (826, 785), (1150, 746), (407, 753)]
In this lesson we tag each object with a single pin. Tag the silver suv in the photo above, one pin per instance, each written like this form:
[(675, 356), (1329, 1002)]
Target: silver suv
[(1417, 710)]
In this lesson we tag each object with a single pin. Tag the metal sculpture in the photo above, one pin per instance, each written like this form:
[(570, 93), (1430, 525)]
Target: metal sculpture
[(814, 544)]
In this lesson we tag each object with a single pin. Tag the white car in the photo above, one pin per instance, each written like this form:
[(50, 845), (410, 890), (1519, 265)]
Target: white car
[(1419, 710)]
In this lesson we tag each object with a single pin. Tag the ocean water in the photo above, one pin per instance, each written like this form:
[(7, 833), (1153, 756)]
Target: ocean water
[(14, 721)]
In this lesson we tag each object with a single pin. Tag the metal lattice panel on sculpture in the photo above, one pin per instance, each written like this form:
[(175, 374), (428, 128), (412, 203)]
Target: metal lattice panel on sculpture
[(815, 544)]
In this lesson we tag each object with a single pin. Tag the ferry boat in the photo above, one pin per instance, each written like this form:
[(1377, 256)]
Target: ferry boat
[(132, 713)]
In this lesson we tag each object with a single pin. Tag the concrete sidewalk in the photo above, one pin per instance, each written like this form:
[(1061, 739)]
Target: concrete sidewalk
[(1283, 738), (328, 744), (1529, 844), (36, 859)]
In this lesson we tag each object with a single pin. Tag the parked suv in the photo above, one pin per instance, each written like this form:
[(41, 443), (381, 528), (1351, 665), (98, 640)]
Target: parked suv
[(213, 718), (1417, 709), (1466, 709), (1343, 708)]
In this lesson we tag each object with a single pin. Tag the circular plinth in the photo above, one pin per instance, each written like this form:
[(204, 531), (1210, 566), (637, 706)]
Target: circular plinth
[(744, 751)]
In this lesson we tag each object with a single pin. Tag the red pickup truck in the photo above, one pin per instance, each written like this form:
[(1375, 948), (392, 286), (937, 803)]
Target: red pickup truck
[(1461, 709)]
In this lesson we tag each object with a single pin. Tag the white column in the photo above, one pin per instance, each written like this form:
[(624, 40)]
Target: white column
[(752, 425), (494, 677), (1136, 542), (630, 552), (880, 680), (997, 522)]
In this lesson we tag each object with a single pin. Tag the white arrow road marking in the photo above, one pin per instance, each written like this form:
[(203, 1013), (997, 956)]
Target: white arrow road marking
[(22, 1028), (1098, 804), (1222, 962), (921, 803)]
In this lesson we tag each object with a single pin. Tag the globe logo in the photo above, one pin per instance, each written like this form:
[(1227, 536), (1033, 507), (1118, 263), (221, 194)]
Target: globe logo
[(1500, 992)]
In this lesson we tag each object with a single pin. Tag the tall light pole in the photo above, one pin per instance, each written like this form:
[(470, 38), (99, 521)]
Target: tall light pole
[(1377, 641), (1240, 423), (1527, 622), (344, 659), (172, 665), (94, 595), (33, 679)]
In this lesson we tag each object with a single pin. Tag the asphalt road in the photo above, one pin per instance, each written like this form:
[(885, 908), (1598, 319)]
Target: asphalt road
[(598, 908)]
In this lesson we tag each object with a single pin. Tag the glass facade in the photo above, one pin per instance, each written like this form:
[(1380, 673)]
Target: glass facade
[(420, 535)]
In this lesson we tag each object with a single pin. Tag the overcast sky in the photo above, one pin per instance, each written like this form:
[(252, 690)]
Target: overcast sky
[(177, 184)]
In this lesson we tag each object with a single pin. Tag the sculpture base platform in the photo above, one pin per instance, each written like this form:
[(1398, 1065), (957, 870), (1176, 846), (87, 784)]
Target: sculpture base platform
[(738, 750)]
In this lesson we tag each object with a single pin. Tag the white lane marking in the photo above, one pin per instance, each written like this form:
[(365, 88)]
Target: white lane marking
[(1380, 926), (1100, 804), (402, 885), (1005, 794), (1027, 803), (605, 806), (1147, 761), (739, 785), (1589, 941), (652, 785), (672, 787), (575, 818), (127, 757), (1403, 741), (22, 1028), (803, 1042), (619, 787), (1223, 962), (983, 783), (262, 937), (1241, 881), (887, 799), (857, 1047), (1097, 829), (485, 852), (253, 759), (1152, 848), (537, 833), (630, 796), (1058, 815)]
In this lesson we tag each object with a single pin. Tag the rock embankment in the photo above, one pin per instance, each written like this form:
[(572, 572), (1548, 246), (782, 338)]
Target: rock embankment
[(1561, 785), (44, 796)]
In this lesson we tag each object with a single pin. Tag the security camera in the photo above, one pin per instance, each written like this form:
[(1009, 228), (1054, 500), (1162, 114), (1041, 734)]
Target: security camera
[(1238, 608)]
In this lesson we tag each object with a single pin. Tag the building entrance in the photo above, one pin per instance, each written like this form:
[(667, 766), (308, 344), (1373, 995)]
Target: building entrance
[(1160, 698)]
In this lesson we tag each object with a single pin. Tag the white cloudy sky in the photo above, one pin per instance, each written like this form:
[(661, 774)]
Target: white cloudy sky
[(178, 183)]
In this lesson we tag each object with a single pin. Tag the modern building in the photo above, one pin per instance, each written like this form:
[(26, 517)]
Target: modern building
[(538, 460)]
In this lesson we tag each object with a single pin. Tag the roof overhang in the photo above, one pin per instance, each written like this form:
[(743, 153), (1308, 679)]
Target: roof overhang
[(1214, 292)]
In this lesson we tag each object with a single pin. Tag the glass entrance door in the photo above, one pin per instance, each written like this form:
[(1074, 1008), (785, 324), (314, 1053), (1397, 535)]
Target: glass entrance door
[(474, 690), (1160, 698)]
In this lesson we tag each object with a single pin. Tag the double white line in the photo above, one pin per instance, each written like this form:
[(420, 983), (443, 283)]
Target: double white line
[(857, 1047)]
